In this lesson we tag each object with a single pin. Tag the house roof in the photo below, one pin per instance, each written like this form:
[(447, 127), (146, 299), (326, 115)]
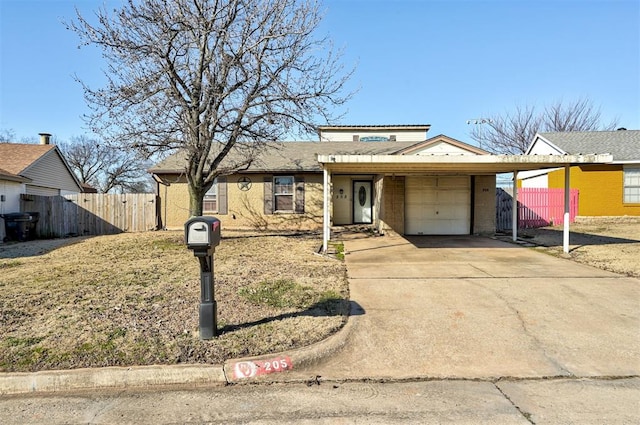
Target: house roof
[(17, 157), (386, 157), (295, 156), (6, 175), (446, 139), (623, 145)]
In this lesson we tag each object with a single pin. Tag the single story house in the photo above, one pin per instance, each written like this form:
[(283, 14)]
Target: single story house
[(391, 178), (611, 189), (32, 169)]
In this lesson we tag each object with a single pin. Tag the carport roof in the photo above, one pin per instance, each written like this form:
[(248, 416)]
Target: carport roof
[(446, 164)]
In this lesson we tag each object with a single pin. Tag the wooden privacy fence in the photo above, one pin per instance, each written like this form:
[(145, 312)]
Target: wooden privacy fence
[(91, 213), (536, 207)]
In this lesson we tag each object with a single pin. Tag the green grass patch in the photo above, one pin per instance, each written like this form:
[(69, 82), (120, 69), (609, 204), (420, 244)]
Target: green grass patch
[(168, 244), (281, 293), (10, 264), (286, 293), (339, 250), (22, 342)]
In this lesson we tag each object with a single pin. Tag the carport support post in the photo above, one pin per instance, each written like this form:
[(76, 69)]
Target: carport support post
[(514, 207), (325, 220), (567, 208)]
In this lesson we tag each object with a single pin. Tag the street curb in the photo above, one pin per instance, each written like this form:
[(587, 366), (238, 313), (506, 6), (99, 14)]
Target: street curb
[(144, 376), (299, 359), (109, 378)]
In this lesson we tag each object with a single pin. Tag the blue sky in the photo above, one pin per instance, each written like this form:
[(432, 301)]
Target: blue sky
[(418, 61)]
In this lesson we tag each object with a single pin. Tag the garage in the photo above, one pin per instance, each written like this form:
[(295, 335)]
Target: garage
[(437, 205)]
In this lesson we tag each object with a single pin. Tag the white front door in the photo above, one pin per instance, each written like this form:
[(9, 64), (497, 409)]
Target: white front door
[(362, 202)]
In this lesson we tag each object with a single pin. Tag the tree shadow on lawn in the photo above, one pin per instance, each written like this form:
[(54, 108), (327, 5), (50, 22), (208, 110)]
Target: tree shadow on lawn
[(36, 247), (330, 308)]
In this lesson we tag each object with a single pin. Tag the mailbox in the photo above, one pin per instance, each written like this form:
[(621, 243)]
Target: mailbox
[(202, 234)]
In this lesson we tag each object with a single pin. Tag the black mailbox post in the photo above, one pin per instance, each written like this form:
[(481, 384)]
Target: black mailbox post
[(202, 235)]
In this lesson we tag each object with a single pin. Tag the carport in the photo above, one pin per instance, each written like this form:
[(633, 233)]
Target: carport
[(413, 166)]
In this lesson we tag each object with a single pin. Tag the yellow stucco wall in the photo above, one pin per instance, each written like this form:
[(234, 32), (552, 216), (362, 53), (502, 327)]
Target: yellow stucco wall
[(174, 202), (245, 208), (484, 205), (393, 204), (601, 190)]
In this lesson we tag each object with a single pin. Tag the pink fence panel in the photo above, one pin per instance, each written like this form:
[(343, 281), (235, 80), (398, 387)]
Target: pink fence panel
[(536, 207), (544, 207)]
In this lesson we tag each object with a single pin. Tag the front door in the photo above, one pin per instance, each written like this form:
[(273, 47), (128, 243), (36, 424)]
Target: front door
[(362, 202)]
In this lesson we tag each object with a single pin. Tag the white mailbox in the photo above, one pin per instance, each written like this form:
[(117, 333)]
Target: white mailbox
[(202, 233)]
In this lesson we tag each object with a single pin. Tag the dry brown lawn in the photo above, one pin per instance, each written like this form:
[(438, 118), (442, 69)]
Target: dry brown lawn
[(606, 244), (133, 299)]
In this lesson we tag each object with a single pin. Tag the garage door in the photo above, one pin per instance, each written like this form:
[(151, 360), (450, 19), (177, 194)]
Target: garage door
[(437, 205)]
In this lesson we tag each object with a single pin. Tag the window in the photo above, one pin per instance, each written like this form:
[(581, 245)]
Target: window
[(283, 193), (632, 185), (210, 203)]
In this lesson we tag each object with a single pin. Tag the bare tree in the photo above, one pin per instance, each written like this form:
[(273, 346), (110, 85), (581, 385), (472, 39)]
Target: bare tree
[(212, 78), (512, 133), (7, 135), (105, 167)]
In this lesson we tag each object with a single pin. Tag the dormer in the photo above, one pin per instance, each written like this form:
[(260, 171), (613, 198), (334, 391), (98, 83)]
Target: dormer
[(373, 133)]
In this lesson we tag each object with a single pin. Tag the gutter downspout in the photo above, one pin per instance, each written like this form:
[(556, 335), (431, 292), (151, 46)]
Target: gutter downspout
[(567, 201)]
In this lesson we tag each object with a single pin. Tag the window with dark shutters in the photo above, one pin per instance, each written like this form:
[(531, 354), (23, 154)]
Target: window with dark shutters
[(284, 194)]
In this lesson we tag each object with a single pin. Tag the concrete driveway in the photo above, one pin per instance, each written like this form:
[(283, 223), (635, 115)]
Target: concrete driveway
[(478, 308)]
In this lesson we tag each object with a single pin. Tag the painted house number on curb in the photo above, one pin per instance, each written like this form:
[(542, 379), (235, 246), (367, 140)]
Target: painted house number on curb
[(251, 369)]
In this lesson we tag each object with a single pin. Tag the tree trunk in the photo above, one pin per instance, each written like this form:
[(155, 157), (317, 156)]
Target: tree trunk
[(196, 201)]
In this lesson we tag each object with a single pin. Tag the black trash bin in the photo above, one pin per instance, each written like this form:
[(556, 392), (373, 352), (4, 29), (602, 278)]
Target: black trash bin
[(20, 226)]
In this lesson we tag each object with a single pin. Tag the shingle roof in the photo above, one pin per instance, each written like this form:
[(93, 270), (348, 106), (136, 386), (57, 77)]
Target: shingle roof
[(6, 175), (624, 145), (16, 157), (295, 156)]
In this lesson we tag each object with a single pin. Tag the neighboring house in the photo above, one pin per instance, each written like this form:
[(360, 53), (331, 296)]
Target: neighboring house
[(387, 177), (32, 169), (611, 189)]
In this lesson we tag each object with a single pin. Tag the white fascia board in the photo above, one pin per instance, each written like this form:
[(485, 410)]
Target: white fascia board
[(528, 174), (553, 148), (466, 159)]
